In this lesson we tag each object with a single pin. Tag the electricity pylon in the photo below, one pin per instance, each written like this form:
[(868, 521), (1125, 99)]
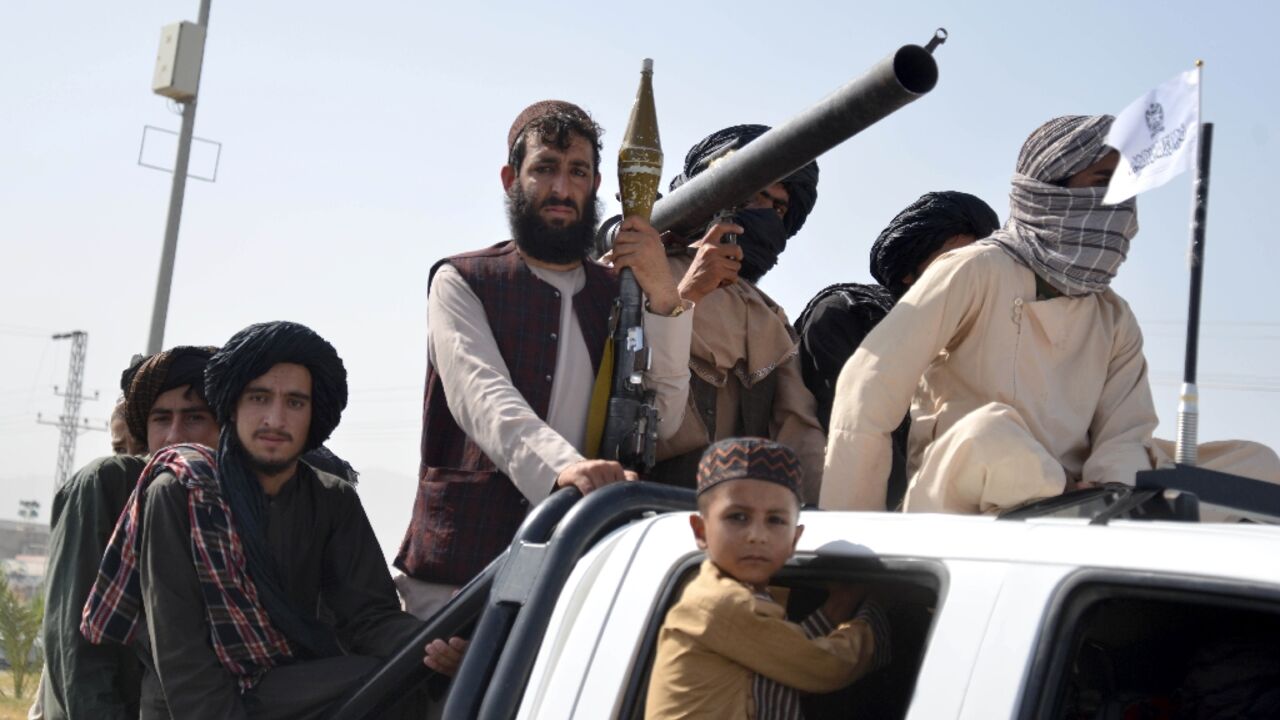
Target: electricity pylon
[(69, 421)]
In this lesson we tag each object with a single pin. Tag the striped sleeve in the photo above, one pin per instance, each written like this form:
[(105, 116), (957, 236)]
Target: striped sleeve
[(873, 615)]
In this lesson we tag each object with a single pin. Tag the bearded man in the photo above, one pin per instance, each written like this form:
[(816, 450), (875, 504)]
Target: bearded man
[(163, 403), (230, 568), (744, 374), (1031, 375), (516, 334), (837, 319)]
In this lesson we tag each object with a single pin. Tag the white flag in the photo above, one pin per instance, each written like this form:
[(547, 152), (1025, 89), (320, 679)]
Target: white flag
[(1156, 136)]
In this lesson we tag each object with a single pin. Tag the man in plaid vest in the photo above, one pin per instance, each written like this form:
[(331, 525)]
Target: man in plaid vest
[(516, 337)]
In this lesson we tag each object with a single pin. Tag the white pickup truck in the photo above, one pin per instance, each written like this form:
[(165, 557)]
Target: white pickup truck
[(1068, 609)]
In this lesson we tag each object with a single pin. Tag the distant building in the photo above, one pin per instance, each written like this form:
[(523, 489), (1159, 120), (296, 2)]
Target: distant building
[(24, 550), (18, 537), (25, 574)]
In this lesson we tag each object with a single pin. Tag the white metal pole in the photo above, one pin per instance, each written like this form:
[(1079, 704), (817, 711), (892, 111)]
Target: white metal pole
[(160, 311)]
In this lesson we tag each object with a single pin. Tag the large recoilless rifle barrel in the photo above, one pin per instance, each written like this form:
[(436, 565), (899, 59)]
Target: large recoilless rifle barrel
[(889, 85)]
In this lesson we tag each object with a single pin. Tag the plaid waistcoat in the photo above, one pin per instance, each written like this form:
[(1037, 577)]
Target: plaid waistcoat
[(466, 511)]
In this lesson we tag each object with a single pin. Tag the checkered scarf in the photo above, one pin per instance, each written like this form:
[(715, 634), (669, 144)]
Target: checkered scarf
[(1066, 235), (245, 641)]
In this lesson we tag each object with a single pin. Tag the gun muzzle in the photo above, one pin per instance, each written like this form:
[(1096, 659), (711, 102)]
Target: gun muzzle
[(904, 76)]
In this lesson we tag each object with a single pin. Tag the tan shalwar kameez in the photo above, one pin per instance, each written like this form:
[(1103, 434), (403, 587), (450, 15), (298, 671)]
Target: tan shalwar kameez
[(720, 634), (1014, 397), (741, 337)]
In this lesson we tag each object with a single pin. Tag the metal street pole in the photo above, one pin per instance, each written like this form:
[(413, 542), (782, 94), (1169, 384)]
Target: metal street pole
[(160, 311)]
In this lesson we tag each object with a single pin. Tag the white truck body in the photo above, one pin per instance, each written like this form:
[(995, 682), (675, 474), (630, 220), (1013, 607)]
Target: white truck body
[(999, 584)]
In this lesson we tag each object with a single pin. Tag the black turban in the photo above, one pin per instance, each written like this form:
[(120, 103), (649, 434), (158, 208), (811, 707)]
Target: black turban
[(148, 378), (831, 327), (126, 376), (802, 185), (254, 350), (869, 302), (918, 231), (249, 354)]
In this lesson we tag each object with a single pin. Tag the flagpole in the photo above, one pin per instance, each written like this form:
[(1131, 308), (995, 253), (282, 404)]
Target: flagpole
[(1182, 489), (1189, 402)]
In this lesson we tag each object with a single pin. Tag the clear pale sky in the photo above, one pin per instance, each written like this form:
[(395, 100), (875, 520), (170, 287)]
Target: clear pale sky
[(362, 142)]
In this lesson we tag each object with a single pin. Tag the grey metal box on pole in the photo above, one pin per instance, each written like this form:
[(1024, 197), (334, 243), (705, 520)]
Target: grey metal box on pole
[(178, 61)]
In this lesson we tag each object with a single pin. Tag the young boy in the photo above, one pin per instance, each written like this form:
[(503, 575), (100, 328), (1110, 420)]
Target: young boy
[(726, 649)]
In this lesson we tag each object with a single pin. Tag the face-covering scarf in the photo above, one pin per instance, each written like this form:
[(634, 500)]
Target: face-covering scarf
[(1066, 235), (763, 238)]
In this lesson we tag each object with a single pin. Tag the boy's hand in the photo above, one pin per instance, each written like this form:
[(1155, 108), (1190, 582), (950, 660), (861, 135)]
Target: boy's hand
[(843, 601)]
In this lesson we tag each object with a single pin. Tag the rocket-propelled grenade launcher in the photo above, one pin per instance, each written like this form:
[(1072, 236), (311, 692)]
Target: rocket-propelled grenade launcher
[(631, 426), (910, 72), (907, 74)]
